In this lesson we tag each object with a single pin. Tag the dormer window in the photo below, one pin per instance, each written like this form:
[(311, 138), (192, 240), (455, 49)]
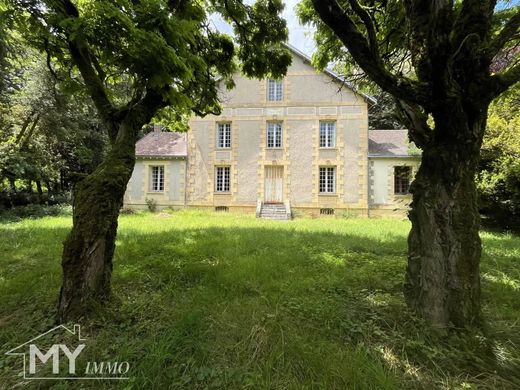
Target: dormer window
[(274, 90)]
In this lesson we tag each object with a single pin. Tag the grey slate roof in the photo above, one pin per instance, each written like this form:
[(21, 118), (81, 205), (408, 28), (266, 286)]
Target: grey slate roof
[(162, 144), (389, 143)]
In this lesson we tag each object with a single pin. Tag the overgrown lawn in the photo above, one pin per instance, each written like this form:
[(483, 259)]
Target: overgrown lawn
[(226, 301)]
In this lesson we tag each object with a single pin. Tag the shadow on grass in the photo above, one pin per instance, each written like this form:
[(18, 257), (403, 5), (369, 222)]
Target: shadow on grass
[(265, 307)]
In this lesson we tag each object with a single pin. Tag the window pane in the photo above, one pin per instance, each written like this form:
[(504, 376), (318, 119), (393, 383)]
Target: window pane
[(402, 178), (274, 90), (327, 134), (274, 135), (222, 179), (327, 182), (157, 182), (224, 135)]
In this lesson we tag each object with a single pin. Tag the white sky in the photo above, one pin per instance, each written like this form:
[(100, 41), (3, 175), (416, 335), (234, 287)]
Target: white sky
[(299, 36)]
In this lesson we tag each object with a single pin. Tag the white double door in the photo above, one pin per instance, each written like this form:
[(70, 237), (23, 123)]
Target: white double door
[(273, 184)]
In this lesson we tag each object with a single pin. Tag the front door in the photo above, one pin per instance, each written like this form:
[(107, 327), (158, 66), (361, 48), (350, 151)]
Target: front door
[(274, 184)]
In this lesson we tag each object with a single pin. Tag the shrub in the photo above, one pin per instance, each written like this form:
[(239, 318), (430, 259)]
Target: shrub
[(152, 205)]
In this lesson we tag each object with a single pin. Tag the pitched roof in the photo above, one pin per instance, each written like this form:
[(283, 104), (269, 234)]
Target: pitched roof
[(331, 73), (389, 143), (162, 144)]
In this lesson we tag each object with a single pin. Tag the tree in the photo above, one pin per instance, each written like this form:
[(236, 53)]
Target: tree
[(434, 58), (136, 58), (498, 179), (47, 135)]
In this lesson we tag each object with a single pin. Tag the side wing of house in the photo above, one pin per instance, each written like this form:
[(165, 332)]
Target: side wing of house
[(302, 140), (393, 163), (161, 181), (159, 175)]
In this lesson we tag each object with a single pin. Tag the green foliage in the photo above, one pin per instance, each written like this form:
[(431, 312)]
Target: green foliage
[(34, 211), (227, 301), (46, 134), (499, 178), (151, 204), (156, 45)]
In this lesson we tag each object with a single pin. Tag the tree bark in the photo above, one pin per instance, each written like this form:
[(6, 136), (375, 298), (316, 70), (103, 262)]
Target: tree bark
[(442, 279), (89, 247)]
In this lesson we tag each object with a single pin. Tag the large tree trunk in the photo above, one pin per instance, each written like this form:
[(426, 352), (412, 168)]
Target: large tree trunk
[(89, 247), (442, 279)]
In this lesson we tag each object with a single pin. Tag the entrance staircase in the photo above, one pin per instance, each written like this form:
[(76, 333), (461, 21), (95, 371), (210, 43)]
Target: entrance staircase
[(277, 211)]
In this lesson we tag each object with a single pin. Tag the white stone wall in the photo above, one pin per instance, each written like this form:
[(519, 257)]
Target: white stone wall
[(139, 186), (381, 183), (308, 98)]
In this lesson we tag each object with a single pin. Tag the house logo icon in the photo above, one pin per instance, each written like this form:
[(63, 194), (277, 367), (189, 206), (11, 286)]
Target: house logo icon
[(55, 354)]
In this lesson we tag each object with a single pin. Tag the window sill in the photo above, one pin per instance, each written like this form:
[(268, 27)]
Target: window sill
[(155, 192), (403, 195), (268, 148), (325, 148), (222, 192), (217, 148), (329, 194)]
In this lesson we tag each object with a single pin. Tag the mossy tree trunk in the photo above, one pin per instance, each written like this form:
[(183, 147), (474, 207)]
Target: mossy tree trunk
[(444, 248), (89, 247)]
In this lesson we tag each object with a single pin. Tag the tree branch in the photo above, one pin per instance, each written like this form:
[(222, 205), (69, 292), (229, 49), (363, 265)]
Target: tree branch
[(83, 58), (369, 25), (343, 26), (510, 30), (502, 81)]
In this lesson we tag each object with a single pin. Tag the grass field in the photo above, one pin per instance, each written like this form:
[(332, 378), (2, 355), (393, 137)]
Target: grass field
[(206, 300)]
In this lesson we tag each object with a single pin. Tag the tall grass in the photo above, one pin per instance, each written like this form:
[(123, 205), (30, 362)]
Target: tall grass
[(207, 300)]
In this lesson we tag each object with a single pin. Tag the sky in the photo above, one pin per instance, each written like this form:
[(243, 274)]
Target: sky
[(301, 36)]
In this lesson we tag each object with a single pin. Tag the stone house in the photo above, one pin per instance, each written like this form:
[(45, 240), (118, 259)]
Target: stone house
[(298, 144)]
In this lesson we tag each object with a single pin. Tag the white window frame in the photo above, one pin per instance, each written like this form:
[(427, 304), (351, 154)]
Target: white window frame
[(223, 178), (398, 179), (327, 134), (224, 135), (274, 135), (157, 178), (274, 90), (327, 180)]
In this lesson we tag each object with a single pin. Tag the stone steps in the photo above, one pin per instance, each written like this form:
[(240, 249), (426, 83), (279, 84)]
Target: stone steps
[(274, 211)]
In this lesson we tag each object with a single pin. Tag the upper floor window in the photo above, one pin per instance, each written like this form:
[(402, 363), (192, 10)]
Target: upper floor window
[(274, 135), (274, 90), (157, 178), (327, 180), (402, 179), (223, 135), (327, 134), (222, 177)]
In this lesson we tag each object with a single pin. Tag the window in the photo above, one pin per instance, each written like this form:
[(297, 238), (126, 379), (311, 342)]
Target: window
[(222, 175), (157, 182), (327, 180), (402, 178), (274, 90), (223, 135), (327, 134), (274, 135)]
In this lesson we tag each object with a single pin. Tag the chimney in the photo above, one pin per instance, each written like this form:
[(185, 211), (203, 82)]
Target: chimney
[(157, 128)]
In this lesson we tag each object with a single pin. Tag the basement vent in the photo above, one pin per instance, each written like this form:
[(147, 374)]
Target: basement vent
[(223, 209), (327, 211)]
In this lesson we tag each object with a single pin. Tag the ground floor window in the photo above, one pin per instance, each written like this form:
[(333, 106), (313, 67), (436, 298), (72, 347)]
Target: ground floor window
[(327, 180), (222, 175), (157, 178), (402, 179)]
